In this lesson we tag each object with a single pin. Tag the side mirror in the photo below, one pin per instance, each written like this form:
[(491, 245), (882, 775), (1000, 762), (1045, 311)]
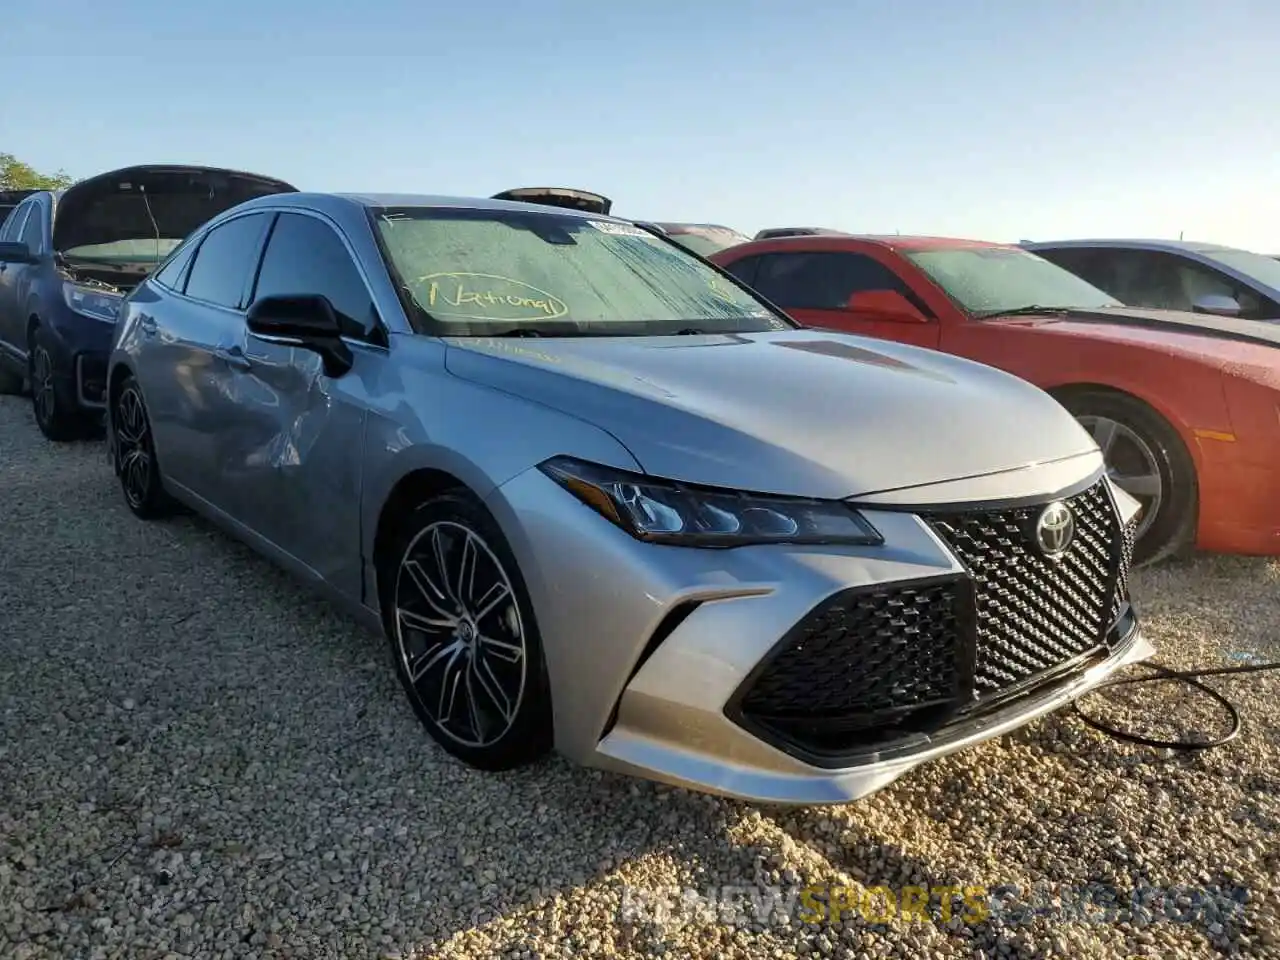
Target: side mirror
[(17, 253), (1216, 304), (302, 320), (885, 305)]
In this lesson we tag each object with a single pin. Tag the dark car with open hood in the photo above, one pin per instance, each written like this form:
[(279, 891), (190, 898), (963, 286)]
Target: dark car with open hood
[(67, 260)]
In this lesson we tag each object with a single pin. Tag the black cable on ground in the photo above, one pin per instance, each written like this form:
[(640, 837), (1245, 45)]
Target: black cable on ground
[(1191, 678)]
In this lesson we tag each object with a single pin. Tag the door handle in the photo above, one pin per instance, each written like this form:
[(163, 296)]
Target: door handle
[(233, 357)]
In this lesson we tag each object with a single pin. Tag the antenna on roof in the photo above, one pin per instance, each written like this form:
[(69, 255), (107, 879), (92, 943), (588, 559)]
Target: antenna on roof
[(1179, 234)]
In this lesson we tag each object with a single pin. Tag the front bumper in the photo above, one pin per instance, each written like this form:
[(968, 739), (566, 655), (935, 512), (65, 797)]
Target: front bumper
[(649, 648)]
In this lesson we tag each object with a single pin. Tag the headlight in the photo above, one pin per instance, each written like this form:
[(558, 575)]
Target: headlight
[(664, 511), (92, 302)]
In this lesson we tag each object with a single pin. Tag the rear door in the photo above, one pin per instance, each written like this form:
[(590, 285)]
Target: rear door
[(815, 287), (189, 368)]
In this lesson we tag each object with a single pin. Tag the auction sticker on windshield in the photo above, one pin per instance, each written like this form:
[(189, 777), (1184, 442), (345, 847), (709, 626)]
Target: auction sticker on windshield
[(484, 296), (620, 229)]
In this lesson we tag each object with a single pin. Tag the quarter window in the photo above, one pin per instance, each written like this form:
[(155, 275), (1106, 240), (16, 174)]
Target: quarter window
[(305, 255), (172, 273), (224, 262)]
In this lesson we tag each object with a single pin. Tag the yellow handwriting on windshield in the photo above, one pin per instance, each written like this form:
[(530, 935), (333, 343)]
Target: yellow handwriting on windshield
[(719, 289), (487, 296)]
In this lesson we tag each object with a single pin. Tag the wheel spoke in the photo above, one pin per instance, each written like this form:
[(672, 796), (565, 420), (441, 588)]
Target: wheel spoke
[(424, 624), (454, 677), (1104, 434), (430, 657), (466, 582), (433, 595), (510, 652), (492, 688), (474, 718), (442, 566), (492, 597), (1139, 485)]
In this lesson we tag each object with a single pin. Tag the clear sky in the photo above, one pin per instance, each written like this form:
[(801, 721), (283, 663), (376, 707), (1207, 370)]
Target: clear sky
[(994, 119)]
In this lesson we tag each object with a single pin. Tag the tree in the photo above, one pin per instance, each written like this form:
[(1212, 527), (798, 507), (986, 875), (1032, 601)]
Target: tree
[(16, 175)]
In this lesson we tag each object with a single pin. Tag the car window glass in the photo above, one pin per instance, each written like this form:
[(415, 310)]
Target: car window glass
[(744, 269), (13, 223), (1087, 263), (224, 261), (1197, 281), (824, 281), (32, 233), (171, 274), (305, 255)]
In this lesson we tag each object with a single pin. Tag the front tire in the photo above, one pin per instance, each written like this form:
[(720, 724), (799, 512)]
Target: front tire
[(1148, 460), (463, 635), (134, 454), (58, 419)]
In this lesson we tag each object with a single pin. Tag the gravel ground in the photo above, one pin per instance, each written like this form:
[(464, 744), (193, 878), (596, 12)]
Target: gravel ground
[(199, 760)]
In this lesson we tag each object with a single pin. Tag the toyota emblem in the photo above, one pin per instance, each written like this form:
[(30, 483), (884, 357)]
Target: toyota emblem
[(1055, 529)]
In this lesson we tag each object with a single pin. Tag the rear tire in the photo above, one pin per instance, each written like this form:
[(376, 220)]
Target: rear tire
[(134, 454), (463, 635), (1147, 459)]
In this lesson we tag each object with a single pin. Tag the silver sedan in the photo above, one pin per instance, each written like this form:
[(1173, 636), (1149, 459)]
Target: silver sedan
[(602, 498)]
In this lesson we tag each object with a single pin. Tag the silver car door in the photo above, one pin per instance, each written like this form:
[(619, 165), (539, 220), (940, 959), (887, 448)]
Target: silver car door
[(297, 466), (191, 373)]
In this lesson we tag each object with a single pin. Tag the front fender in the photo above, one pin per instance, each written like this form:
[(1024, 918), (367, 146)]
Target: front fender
[(481, 436)]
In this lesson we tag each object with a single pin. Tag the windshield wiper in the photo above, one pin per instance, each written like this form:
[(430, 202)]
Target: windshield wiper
[(1034, 308)]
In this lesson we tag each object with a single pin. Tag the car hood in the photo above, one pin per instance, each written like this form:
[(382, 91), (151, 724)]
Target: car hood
[(803, 412), (1193, 333), (143, 202)]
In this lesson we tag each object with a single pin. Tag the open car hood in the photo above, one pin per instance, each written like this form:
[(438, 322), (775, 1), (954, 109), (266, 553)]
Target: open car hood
[(559, 197), (139, 203)]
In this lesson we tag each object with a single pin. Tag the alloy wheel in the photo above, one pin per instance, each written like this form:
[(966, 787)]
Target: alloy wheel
[(1131, 464), (460, 634), (43, 398), (133, 447)]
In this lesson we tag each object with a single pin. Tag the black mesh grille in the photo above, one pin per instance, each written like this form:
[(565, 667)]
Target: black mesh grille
[(866, 652), (1034, 614), (869, 666), (1126, 560)]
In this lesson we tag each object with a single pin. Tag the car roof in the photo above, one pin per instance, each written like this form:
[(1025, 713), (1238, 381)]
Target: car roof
[(893, 241), (1192, 246), (323, 201)]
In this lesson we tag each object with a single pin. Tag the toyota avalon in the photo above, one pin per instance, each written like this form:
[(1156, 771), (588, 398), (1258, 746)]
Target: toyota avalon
[(602, 498)]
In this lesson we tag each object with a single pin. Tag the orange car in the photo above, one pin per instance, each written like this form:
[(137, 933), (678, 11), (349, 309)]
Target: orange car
[(1185, 406)]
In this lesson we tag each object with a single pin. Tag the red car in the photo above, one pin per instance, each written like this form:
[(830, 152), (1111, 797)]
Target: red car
[(1186, 407)]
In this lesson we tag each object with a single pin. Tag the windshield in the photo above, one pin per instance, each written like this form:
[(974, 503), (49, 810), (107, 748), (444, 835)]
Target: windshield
[(147, 250), (989, 280), (493, 272), (1266, 270)]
